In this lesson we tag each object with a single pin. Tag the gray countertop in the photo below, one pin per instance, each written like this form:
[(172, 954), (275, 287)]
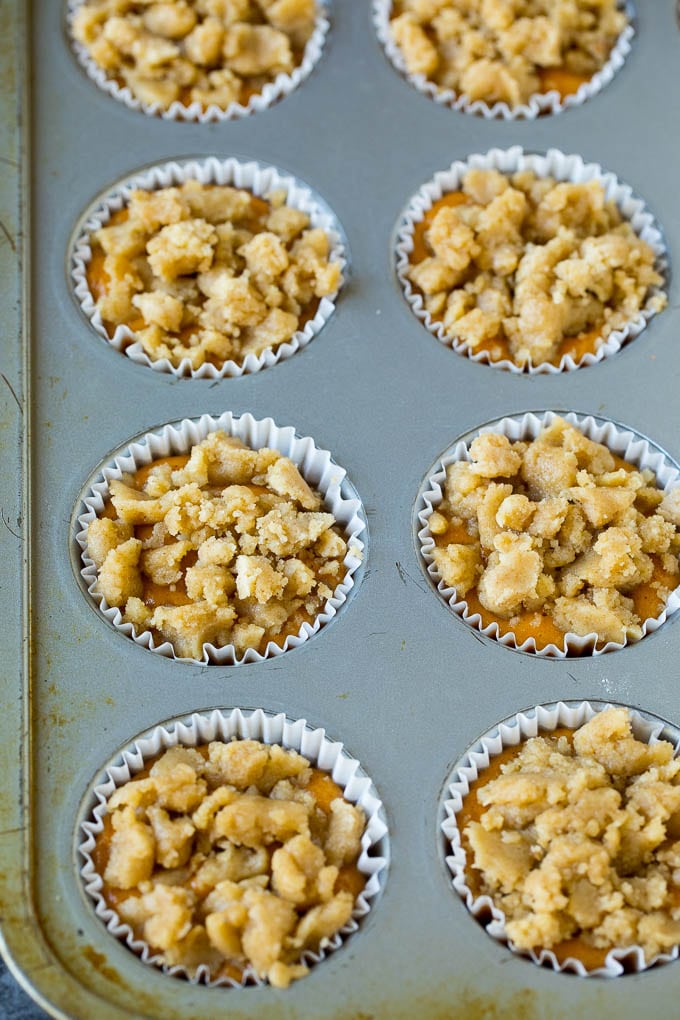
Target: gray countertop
[(14, 1003)]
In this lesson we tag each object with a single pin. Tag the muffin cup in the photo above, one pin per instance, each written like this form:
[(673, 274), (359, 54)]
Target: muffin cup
[(563, 168), (272, 92), (317, 467), (620, 441), (509, 733), (201, 728), (260, 180), (539, 104)]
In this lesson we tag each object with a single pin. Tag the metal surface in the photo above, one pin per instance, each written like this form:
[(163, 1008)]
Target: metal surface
[(406, 686)]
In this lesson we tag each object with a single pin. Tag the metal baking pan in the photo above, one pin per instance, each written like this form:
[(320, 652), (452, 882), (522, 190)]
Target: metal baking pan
[(405, 685)]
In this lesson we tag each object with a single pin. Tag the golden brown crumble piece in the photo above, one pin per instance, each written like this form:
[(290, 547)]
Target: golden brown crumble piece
[(230, 547), (209, 273), (212, 52), (557, 526), (231, 860), (576, 839), (525, 263), (499, 50)]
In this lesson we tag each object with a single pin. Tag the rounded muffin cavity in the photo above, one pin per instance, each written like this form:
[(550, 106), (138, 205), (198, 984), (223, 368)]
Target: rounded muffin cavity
[(219, 540), (561, 828), (198, 60), (208, 269), (531, 263), (554, 535), (233, 848), (509, 61)]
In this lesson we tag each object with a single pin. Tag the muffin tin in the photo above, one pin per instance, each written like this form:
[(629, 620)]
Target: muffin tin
[(402, 683)]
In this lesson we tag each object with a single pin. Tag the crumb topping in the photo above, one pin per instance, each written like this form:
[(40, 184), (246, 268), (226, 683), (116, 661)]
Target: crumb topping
[(231, 546), (212, 52), (528, 261), (209, 273), (577, 838), (557, 526), (497, 50), (225, 856)]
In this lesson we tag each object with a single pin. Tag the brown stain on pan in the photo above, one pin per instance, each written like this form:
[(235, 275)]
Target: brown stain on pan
[(449, 1002), (457, 1004), (98, 961)]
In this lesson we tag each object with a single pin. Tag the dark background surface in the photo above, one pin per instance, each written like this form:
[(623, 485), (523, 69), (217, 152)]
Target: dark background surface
[(14, 1003)]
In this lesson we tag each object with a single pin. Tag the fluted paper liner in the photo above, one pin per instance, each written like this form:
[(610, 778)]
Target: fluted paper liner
[(565, 168), (539, 104), (621, 441), (271, 93), (317, 467), (201, 728), (537, 721), (254, 177)]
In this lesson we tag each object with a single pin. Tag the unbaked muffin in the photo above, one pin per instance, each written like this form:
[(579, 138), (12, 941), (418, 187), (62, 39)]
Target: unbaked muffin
[(499, 52), (204, 275), (224, 546), (231, 857), (554, 535), (531, 270), (211, 54), (573, 835)]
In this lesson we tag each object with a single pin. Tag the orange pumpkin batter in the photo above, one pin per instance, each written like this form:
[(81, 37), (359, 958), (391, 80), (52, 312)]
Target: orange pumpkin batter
[(560, 80)]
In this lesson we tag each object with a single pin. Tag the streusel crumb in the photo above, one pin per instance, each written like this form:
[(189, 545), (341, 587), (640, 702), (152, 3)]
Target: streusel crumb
[(209, 273), (527, 263), (212, 52), (557, 528), (232, 855), (226, 546)]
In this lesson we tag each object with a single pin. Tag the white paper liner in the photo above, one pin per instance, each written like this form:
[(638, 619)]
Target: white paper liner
[(563, 168), (317, 467), (260, 180), (510, 733), (539, 104), (621, 441), (270, 729), (273, 91)]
